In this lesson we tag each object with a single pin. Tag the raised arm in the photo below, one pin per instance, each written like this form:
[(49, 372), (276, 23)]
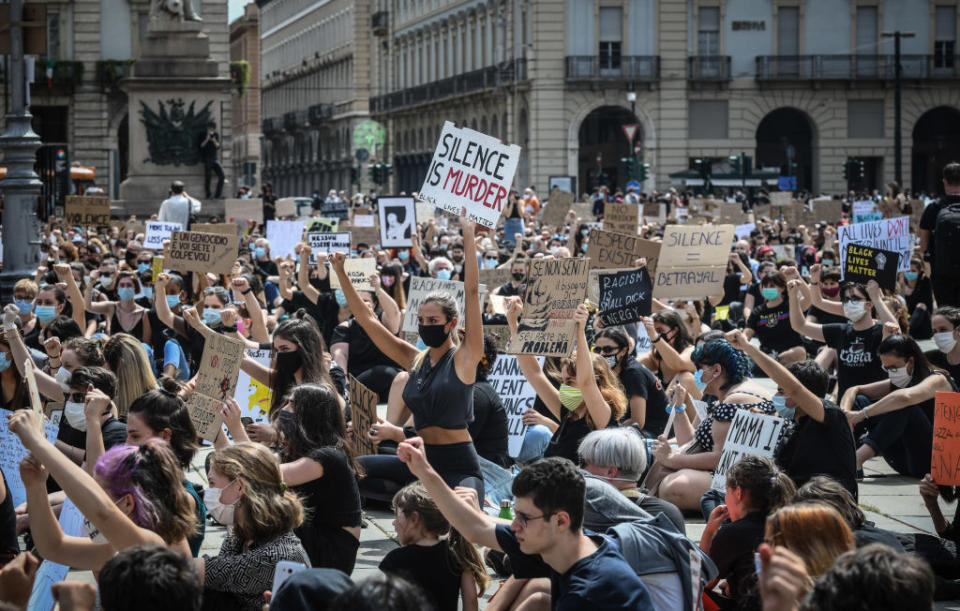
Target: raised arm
[(799, 323), (668, 354), (884, 314), (160, 300), (469, 351), (392, 346), (284, 283), (392, 318), (46, 384), (597, 406), (530, 367), (96, 403), (303, 273), (258, 330), (417, 253), (74, 294)]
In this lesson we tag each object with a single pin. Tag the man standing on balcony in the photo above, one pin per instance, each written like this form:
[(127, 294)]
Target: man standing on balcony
[(208, 153)]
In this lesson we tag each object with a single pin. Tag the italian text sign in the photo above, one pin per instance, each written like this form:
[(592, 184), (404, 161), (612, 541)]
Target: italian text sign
[(158, 231), (191, 251), (517, 396), (327, 243), (219, 366), (945, 462), (555, 287), (749, 435), (358, 271), (205, 414)]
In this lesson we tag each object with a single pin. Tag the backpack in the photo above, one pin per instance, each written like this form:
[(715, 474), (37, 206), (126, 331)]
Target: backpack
[(946, 237)]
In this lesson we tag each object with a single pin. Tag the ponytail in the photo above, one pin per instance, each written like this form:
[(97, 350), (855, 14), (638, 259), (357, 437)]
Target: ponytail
[(768, 489), (468, 558), (735, 363)]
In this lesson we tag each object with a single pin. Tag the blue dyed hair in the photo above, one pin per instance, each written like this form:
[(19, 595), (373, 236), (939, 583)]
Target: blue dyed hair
[(735, 364)]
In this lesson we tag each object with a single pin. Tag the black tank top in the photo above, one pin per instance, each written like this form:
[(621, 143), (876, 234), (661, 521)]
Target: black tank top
[(116, 327), (9, 546), (437, 397)]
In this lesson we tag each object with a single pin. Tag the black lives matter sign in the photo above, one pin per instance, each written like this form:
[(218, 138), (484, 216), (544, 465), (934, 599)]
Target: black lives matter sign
[(865, 263)]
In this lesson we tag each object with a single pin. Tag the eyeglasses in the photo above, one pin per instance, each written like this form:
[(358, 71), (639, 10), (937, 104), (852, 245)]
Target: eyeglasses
[(605, 350), (523, 518)]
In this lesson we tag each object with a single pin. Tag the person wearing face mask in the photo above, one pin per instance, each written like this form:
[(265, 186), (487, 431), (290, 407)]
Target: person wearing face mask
[(439, 391), (124, 315), (144, 298), (441, 268), (248, 495), (915, 287), (263, 266), (754, 294), (24, 294), (392, 280), (93, 388), (769, 322), (513, 220), (897, 413), (215, 298), (646, 401), (820, 442), (670, 358), (517, 284), (51, 301), (946, 336)]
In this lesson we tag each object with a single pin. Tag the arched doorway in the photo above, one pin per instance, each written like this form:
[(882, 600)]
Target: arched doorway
[(936, 142), (602, 144), (785, 141)]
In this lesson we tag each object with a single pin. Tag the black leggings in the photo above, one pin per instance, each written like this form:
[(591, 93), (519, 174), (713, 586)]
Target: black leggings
[(456, 463), (904, 438)]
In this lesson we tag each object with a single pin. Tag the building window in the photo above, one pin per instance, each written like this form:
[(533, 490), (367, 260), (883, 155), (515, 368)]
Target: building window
[(867, 34), (708, 120), (788, 41), (865, 118), (53, 36), (708, 32), (945, 34), (611, 28)]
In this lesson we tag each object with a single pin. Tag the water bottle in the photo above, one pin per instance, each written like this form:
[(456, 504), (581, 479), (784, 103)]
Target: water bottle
[(506, 512)]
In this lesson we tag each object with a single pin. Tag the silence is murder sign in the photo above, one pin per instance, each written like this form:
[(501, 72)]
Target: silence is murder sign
[(625, 296)]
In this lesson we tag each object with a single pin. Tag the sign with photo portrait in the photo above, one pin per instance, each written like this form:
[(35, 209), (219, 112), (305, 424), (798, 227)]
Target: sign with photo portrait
[(397, 221)]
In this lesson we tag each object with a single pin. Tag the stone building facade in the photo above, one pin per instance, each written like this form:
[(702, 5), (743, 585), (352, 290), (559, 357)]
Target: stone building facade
[(799, 85), (245, 103)]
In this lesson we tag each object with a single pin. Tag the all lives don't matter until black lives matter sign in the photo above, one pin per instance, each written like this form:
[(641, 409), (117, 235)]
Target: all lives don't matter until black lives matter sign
[(625, 296)]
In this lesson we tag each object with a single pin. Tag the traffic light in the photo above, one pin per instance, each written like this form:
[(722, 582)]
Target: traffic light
[(846, 169), (372, 173), (631, 166), (354, 176), (735, 164), (644, 171), (387, 172), (746, 163), (861, 169)]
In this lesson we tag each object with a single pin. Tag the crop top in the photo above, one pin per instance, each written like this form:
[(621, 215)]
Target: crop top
[(436, 396)]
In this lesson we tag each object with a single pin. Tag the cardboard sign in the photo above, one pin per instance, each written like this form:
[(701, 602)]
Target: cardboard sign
[(607, 250), (693, 261), (886, 234), (625, 297), (621, 218), (158, 231), (191, 251), (397, 224), (156, 266), (731, 213), (473, 171), (36, 404), (749, 435), (253, 396), (945, 462), (583, 210), (780, 198), (323, 225), (359, 271), (12, 452), (284, 237), (243, 210), (363, 415), (865, 211), (557, 207), (221, 228), (425, 211), (420, 289), (83, 211), (555, 287), (495, 278), (205, 415), (219, 366), (328, 243), (364, 220), (370, 236), (517, 396), (828, 210), (286, 206), (865, 263)]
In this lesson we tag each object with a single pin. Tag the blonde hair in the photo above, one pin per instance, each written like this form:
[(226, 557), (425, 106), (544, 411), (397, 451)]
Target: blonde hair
[(267, 508), (27, 286), (607, 382), (128, 360), (814, 531)]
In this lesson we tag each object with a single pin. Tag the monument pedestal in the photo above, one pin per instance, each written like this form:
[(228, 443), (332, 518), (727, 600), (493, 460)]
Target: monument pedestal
[(174, 92)]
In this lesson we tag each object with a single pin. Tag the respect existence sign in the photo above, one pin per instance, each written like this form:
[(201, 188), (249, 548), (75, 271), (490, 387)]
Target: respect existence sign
[(473, 171)]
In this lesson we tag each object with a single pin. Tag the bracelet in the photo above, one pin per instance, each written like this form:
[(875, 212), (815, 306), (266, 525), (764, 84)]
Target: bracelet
[(232, 329), (246, 291), (677, 408), (865, 413), (659, 337)]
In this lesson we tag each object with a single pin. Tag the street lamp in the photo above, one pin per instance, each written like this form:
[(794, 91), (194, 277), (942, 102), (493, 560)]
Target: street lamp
[(632, 98), (898, 71)]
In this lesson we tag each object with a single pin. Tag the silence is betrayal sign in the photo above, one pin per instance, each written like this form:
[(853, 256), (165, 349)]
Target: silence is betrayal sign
[(692, 261), (473, 171)]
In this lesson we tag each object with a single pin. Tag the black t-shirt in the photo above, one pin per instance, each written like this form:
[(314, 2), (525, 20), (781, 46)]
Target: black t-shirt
[(821, 448), (939, 359), (432, 567), (208, 149), (922, 293), (508, 290), (772, 327), (639, 381), (334, 499), (928, 220), (114, 433), (857, 354), (489, 427), (363, 353), (325, 312), (732, 289), (265, 268), (9, 545), (567, 438), (732, 551)]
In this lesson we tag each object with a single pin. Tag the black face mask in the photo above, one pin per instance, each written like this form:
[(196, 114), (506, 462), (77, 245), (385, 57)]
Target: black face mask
[(289, 361), (433, 335), (518, 276)]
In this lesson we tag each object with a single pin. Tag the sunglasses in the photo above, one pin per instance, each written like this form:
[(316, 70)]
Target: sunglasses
[(77, 397), (607, 350)]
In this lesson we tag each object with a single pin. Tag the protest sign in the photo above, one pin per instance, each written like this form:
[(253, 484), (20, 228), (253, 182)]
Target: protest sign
[(221, 228), (865, 211), (36, 404), (219, 366), (359, 271), (607, 250), (625, 297), (886, 234), (749, 435), (731, 213), (369, 236), (498, 304), (425, 211), (945, 462), (397, 224), (780, 198), (517, 395), (742, 232), (555, 287), (828, 210), (205, 415), (643, 340), (784, 251), (557, 207), (621, 218), (191, 251), (865, 263), (156, 266), (284, 237), (12, 452), (243, 210), (656, 212), (83, 211), (473, 171), (420, 288), (495, 277), (41, 597), (253, 396), (583, 210), (693, 261), (323, 225), (364, 220), (363, 415), (158, 231), (286, 206), (328, 243)]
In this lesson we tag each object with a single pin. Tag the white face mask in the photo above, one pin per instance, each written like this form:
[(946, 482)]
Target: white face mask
[(220, 512), (854, 310), (62, 377), (945, 341), (76, 416), (899, 377)]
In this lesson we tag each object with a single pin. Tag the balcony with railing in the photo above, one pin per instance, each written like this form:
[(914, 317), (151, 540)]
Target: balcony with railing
[(491, 77), (378, 23), (627, 68), (294, 120), (318, 113), (270, 126), (855, 67), (708, 68)]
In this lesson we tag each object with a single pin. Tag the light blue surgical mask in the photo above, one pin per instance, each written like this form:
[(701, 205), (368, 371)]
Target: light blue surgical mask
[(698, 380), (24, 307), (340, 297), (5, 361), (403, 255), (443, 274), (827, 262), (491, 263), (148, 292), (253, 247), (142, 267), (126, 293), (770, 294), (260, 252), (173, 301), (211, 316), (46, 313), (780, 404), (911, 276)]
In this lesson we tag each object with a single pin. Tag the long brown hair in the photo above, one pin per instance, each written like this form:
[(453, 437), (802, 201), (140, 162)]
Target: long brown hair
[(607, 382), (814, 531)]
